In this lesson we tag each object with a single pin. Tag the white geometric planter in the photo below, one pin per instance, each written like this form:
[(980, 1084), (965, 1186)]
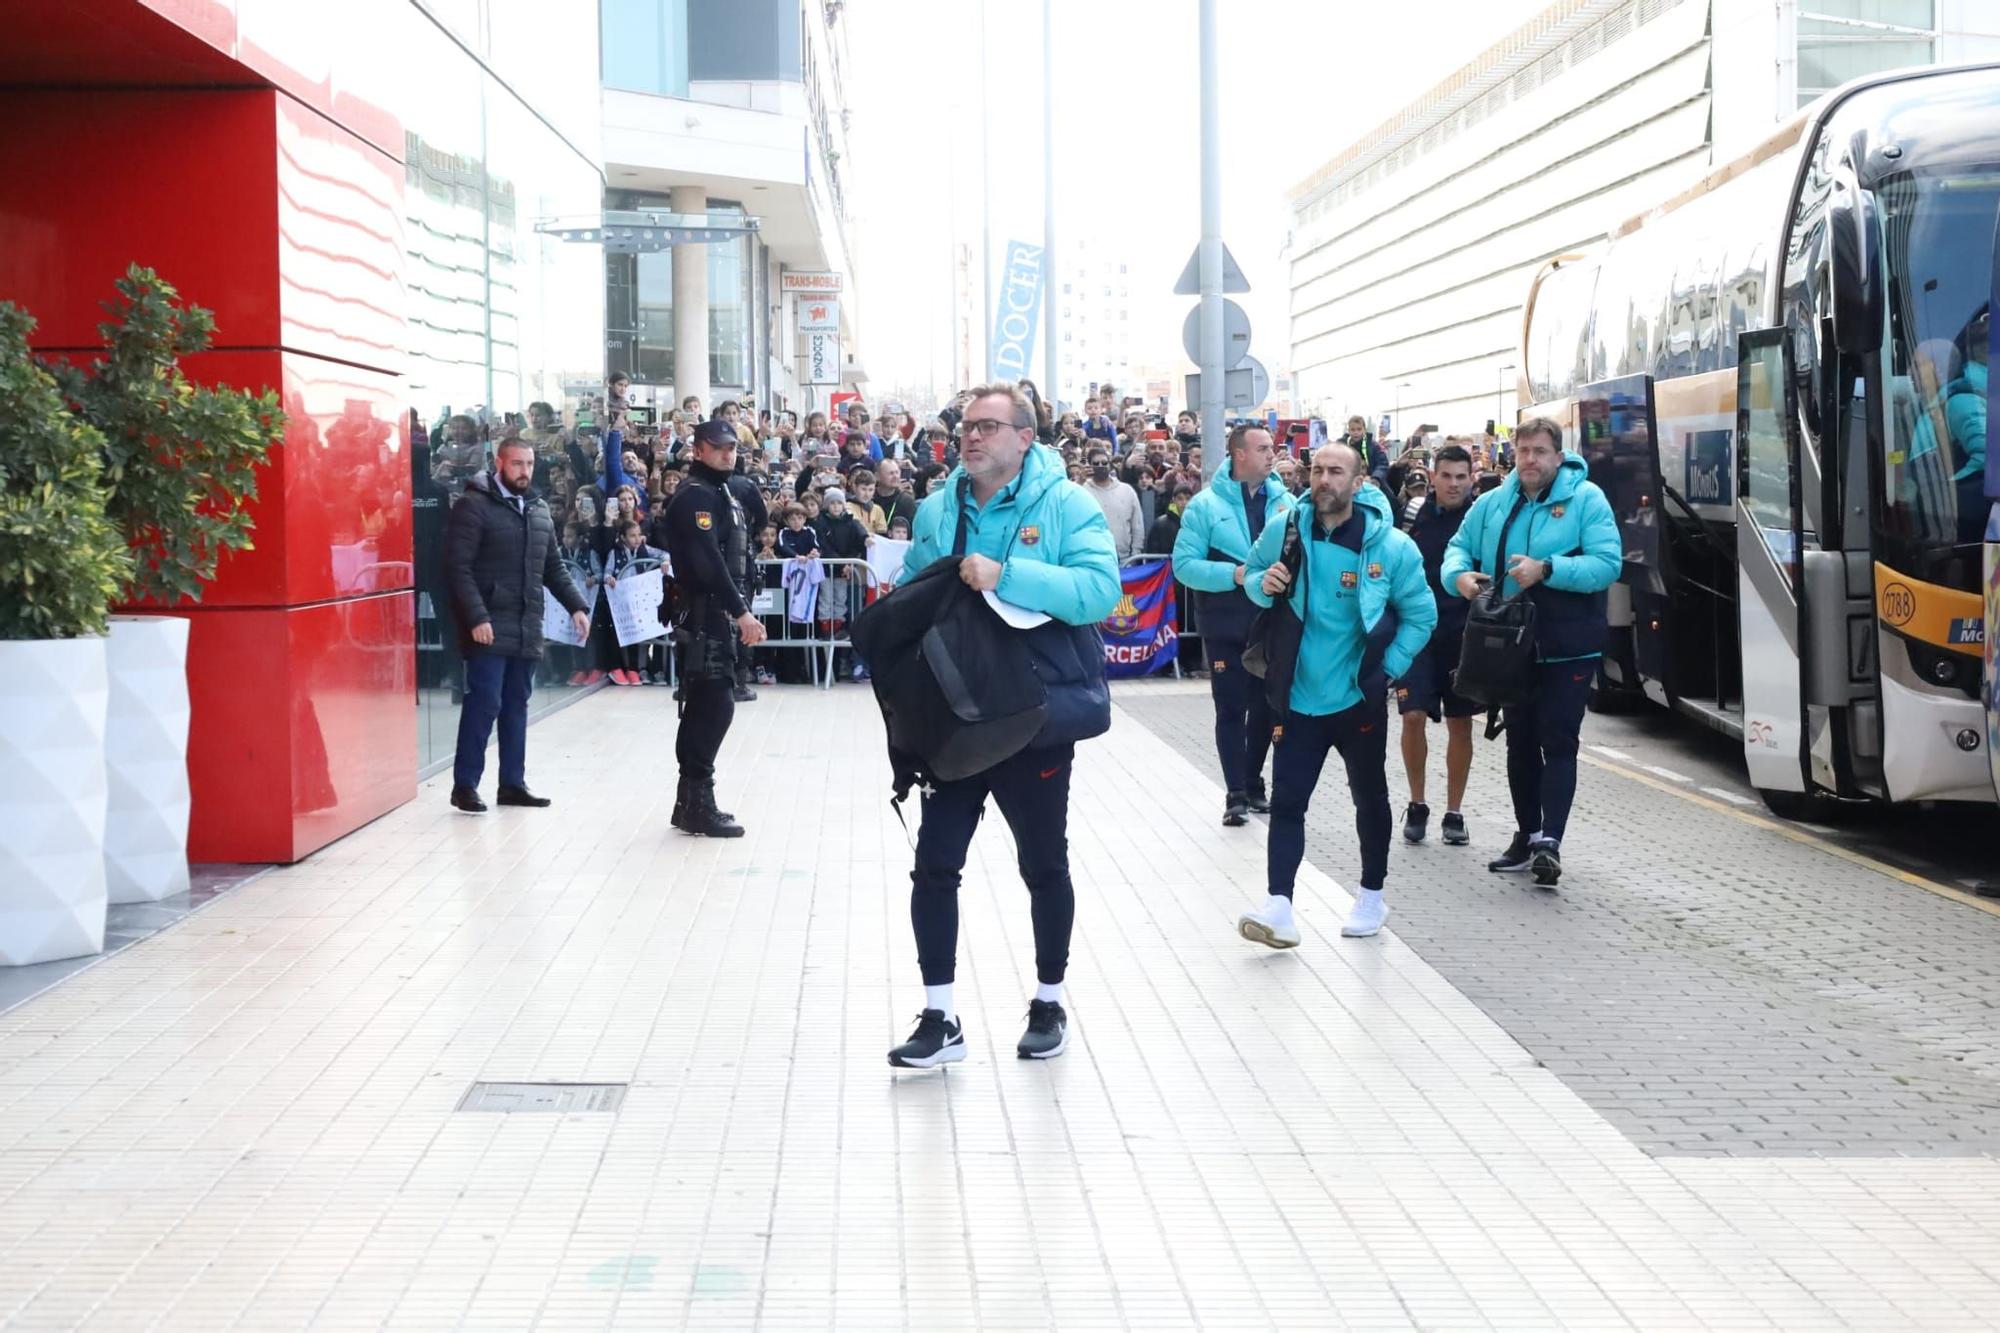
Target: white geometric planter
[(145, 758), (53, 700)]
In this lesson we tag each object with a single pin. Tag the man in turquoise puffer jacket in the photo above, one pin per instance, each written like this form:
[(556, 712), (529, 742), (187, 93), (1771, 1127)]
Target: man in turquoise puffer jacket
[(1364, 611), (1217, 531), (1557, 542), (1036, 540)]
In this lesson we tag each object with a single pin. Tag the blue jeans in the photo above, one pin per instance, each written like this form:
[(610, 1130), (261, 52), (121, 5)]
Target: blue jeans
[(1361, 735), (1541, 746), (496, 688)]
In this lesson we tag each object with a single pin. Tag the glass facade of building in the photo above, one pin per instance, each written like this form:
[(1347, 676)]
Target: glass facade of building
[(1845, 39), (505, 329)]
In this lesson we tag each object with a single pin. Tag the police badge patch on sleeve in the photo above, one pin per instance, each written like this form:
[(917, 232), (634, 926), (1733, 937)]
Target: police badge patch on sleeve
[(704, 520)]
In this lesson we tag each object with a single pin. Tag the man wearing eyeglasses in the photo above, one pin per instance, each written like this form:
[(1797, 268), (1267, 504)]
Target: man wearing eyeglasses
[(1039, 543)]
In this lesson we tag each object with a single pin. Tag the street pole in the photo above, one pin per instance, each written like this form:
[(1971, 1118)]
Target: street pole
[(1213, 394), (1052, 385), (985, 213)]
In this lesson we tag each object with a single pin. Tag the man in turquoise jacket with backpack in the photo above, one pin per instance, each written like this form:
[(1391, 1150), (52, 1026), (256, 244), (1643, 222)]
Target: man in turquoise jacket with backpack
[(1210, 556), (1549, 534), (1038, 542), (1353, 610)]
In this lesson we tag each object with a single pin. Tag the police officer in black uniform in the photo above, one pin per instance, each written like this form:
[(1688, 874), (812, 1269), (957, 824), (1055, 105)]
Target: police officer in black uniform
[(708, 539)]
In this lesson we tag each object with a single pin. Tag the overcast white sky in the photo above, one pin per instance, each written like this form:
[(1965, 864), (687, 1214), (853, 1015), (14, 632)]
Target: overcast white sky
[(1301, 80)]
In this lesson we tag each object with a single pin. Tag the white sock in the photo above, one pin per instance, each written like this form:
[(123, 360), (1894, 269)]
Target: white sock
[(1452, 811), (1048, 994), (1278, 909), (939, 997), (1366, 889)]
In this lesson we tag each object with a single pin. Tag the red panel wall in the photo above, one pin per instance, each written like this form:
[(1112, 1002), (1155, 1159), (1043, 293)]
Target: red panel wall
[(303, 726), (178, 181), (289, 228)]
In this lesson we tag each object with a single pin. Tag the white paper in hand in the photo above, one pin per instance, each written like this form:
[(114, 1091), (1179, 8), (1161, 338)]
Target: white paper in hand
[(557, 627), (1020, 617)]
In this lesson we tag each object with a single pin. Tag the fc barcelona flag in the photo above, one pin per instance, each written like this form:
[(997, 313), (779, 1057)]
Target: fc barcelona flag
[(1139, 635)]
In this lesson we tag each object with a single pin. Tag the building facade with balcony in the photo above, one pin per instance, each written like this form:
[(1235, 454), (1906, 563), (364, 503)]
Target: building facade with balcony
[(725, 119), (1412, 249)]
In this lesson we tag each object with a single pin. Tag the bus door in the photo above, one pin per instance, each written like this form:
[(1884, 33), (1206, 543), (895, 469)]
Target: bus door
[(1990, 686), (1617, 432), (1769, 562)]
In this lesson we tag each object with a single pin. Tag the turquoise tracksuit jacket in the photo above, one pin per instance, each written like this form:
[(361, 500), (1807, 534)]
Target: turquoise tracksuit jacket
[(1572, 527), (1214, 540), (1365, 612), (1049, 536)]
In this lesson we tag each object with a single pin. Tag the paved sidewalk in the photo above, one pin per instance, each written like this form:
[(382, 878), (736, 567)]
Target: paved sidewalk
[(1710, 986), (247, 1122)]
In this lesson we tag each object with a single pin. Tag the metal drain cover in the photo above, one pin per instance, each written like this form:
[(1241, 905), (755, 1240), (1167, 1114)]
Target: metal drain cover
[(559, 1098)]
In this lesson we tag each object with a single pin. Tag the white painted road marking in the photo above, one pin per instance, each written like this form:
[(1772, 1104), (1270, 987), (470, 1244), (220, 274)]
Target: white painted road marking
[(1724, 793), (1666, 773)]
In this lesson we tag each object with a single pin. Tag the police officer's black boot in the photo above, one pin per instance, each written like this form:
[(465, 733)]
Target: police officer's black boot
[(703, 819), (680, 818)]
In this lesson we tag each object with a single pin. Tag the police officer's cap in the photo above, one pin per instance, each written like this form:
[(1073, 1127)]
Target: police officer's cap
[(716, 434)]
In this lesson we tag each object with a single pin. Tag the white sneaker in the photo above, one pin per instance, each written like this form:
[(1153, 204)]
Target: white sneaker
[(1367, 916), (1269, 927)]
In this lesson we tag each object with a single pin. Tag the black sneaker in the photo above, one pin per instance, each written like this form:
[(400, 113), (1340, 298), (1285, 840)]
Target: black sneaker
[(1547, 863), (1235, 810), (937, 1041), (1416, 816), (1047, 1034), (1454, 829), (1260, 801), (743, 694), (1515, 859)]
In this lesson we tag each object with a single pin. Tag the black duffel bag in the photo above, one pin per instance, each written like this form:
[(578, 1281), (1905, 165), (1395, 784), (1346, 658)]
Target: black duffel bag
[(1496, 665)]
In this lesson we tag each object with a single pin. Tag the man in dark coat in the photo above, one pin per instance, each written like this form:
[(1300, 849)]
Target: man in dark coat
[(500, 552)]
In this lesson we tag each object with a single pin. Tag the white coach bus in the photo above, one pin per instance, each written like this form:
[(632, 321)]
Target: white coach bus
[(1779, 377)]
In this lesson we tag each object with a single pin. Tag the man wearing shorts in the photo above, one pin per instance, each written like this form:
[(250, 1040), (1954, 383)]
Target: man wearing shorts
[(1425, 694)]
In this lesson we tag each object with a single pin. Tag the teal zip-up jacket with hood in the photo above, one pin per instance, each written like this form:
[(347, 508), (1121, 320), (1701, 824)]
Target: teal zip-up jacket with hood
[(1056, 557), (1214, 540), (1337, 669), (1570, 525)]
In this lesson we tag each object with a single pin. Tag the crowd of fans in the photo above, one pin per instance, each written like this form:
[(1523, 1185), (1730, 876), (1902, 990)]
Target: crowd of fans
[(831, 486)]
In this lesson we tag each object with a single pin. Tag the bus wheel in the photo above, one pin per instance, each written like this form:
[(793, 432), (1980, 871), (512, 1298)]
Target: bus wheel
[(1611, 701), (1800, 807)]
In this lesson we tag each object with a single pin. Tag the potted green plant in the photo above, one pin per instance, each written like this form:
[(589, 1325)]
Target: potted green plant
[(61, 562), (179, 474)]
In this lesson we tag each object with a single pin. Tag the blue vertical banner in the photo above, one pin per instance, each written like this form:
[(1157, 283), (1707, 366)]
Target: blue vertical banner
[(1020, 313)]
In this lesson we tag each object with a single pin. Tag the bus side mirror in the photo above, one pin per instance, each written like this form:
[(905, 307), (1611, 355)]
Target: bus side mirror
[(1856, 269)]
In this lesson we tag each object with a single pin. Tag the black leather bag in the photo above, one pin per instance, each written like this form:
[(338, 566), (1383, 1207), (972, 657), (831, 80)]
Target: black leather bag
[(1496, 665), (1275, 633)]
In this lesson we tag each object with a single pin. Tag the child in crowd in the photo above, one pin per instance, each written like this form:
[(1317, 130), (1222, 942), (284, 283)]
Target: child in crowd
[(861, 501), (798, 540)]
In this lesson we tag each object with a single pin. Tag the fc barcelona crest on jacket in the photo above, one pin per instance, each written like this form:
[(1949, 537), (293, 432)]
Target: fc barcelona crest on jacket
[(1375, 570), (1350, 579), (1031, 535)]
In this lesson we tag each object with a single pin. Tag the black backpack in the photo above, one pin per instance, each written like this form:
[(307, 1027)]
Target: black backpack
[(957, 688), (1496, 665)]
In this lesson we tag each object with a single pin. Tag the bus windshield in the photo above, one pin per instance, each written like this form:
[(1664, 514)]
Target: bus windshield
[(1937, 244)]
